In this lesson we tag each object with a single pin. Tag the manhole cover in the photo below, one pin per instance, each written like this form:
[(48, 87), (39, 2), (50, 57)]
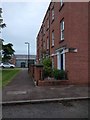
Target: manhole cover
[(16, 92)]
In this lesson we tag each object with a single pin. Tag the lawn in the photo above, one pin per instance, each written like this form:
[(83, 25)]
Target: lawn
[(8, 75)]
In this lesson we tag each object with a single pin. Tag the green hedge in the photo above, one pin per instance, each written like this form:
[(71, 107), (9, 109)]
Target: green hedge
[(59, 74), (49, 72)]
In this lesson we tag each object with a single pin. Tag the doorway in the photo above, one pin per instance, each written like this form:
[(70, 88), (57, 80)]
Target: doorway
[(23, 65)]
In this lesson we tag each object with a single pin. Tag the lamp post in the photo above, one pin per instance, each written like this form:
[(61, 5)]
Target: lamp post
[(28, 52)]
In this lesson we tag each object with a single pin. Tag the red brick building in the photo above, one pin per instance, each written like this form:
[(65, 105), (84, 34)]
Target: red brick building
[(64, 37)]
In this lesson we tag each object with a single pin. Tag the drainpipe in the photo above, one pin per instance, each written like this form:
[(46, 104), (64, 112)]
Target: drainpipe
[(49, 31), (42, 42)]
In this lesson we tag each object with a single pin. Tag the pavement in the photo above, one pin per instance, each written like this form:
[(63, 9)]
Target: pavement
[(22, 90)]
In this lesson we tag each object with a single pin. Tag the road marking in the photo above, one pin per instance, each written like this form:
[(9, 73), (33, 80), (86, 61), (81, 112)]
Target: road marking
[(16, 92)]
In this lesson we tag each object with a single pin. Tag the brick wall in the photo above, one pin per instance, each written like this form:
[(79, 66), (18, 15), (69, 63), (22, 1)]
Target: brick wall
[(76, 36), (89, 42), (35, 72)]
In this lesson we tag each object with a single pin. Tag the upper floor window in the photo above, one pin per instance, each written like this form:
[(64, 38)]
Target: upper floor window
[(62, 29), (44, 45), (47, 23), (47, 43), (44, 29), (52, 38), (52, 62), (41, 30), (52, 14), (61, 2)]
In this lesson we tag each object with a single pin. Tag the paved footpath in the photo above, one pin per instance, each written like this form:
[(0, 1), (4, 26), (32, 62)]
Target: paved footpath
[(22, 88)]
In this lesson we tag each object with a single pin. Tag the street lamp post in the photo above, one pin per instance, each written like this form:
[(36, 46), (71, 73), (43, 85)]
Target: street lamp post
[(28, 53)]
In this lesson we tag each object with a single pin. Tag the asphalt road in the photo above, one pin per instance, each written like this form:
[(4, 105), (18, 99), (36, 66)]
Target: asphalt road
[(74, 109)]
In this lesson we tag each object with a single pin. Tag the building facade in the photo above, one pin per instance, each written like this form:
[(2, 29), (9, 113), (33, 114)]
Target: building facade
[(21, 60), (63, 37)]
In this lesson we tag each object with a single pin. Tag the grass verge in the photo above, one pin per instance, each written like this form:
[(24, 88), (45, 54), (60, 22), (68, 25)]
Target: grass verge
[(8, 75)]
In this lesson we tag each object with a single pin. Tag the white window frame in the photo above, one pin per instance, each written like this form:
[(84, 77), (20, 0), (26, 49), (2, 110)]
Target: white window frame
[(53, 14), (53, 38), (44, 29), (44, 45), (62, 27), (47, 23), (61, 2), (47, 43), (52, 62)]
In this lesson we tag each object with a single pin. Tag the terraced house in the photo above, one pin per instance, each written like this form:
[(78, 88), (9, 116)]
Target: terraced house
[(63, 37)]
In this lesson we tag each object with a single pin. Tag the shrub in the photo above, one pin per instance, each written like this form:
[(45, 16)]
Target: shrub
[(59, 74), (56, 73), (47, 62), (47, 70), (63, 74)]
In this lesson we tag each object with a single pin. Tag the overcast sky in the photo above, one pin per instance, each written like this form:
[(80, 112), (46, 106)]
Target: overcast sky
[(23, 20)]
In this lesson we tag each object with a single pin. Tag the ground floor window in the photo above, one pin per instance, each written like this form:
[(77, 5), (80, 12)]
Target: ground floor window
[(52, 62)]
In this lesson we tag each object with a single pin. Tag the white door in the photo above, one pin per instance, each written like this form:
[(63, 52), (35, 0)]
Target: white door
[(61, 60), (58, 61)]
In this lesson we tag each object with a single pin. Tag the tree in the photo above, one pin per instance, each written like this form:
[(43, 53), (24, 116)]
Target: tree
[(8, 51), (2, 25)]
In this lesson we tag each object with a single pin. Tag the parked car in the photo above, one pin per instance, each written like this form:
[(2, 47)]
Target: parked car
[(7, 65)]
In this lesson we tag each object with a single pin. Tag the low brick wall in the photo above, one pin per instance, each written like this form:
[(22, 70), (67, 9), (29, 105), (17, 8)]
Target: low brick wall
[(52, 82), (31, 70), (35, 72)]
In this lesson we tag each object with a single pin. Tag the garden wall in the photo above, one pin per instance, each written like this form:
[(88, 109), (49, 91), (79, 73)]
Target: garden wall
[(36, 72), (52, 82)]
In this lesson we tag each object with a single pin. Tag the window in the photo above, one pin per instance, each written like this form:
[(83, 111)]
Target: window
[(44, 45), (47, 23), (52, 38), (41, 30), (52, 62), (62, 29), (44, 29), (52, 14), (61, 2), (47, 43)]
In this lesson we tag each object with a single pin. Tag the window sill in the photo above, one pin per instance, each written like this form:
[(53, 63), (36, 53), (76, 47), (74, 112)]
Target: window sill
[(61, 7), (61, 41), (52, 46), (47, 29), (52, 21)]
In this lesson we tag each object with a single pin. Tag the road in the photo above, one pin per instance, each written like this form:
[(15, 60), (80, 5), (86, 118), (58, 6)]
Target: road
[(74, 109)]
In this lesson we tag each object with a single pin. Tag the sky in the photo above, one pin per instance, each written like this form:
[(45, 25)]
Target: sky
[(23, 21)]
